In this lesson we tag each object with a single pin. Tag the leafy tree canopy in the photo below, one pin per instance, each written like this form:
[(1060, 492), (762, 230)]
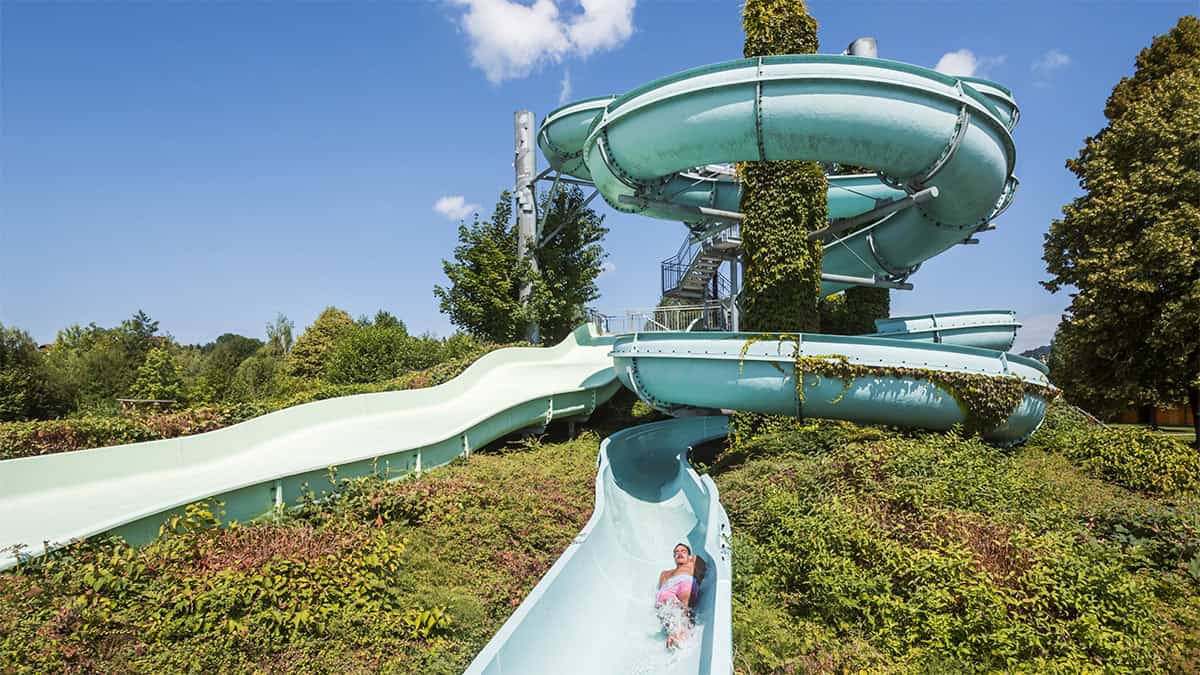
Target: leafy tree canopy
[(311, 353), (159, 377), (485, 275), (1131, 244)]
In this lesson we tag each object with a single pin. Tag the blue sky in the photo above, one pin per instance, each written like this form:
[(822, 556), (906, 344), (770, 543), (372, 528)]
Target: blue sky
[(216, 163)]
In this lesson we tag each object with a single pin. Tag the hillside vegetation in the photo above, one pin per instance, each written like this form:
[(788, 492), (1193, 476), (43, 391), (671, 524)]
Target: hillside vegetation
[(855, 548)]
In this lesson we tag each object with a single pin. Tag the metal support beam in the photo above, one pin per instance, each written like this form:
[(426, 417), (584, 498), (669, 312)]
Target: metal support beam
[(567, 218), (871, 282), (839, 225), (735, 312), (685, 212), (566, 179), (527, 235)]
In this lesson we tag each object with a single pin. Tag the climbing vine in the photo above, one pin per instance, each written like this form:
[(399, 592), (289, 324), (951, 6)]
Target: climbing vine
[(854, 312), (781, 201), (985, 400)]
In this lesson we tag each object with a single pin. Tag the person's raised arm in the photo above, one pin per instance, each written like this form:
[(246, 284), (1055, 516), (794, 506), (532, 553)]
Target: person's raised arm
[(662, 576)]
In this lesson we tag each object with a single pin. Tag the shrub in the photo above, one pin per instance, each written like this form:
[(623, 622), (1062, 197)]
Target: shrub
[(1138, 459)]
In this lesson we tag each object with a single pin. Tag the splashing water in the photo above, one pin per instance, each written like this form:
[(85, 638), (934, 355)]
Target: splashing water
[(675, 618)]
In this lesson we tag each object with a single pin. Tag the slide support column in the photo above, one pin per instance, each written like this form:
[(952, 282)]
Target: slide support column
[(525, 164)]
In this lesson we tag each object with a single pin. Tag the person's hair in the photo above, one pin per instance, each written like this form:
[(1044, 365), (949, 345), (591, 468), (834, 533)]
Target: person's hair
[(689, 548)]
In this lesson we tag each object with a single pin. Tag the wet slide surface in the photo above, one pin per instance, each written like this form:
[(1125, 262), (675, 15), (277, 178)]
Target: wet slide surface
[(594, 611)]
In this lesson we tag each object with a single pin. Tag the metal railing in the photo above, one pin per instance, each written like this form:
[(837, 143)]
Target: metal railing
[(710, 315), (673, 275)]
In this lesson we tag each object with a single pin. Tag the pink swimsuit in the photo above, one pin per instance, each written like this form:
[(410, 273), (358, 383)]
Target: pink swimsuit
[(674, 588)]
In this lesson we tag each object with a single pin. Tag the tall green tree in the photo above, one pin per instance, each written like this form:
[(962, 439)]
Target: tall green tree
[(27, 388), (1130, 245), (159, 377), (220, 362), (485, 275), (782, 200), (312, 351)]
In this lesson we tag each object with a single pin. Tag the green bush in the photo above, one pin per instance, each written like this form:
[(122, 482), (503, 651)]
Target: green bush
[(860, 548), (1138, 459), (411, 576)]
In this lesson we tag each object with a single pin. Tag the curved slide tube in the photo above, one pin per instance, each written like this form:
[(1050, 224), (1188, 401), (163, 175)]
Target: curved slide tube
[(593, 612), (272, 461), (916, 127), (739, 373), (986, 329)]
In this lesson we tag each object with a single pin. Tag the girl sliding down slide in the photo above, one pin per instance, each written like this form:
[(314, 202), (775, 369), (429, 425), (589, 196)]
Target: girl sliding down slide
[(678, 591)]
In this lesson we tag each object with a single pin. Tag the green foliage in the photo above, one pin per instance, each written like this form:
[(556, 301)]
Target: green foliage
[(1131, 244), (486, 277), (256, 377), (25, 439), (312, 351), (159, 377), (1135, 458), (775, 27), (854, 311), (412, 576), (219, 365), (27, 388), (92, 366), (782, 202), (279, 335), (368, 354), (862, 549)]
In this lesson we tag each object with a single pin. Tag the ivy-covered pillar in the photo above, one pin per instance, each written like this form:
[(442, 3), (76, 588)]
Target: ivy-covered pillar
[(782, 200)]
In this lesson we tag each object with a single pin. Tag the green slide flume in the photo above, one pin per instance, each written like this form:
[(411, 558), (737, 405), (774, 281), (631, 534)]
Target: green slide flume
[(942, 148)]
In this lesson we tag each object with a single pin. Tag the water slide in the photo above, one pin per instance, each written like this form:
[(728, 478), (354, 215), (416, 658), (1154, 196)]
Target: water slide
[(272, 461), (593, 612), (943, 155)]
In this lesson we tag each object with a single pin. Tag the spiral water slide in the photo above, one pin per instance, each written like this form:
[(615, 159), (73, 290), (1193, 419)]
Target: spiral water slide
[(943, 155)]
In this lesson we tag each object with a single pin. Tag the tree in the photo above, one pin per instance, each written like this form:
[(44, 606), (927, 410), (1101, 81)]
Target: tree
[(279, 335), (159, 377), (257, 377), (1130, 244), (220, 364), (568, 264), (309, 356), (486, 275), (27, 390), (368, 354), (781, 201), (95, 365)]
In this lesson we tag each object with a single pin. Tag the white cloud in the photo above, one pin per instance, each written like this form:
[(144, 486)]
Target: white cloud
[(454, 207), (1047, 65), (964, 63), (510, 39), (606, 268), (564, 94)]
